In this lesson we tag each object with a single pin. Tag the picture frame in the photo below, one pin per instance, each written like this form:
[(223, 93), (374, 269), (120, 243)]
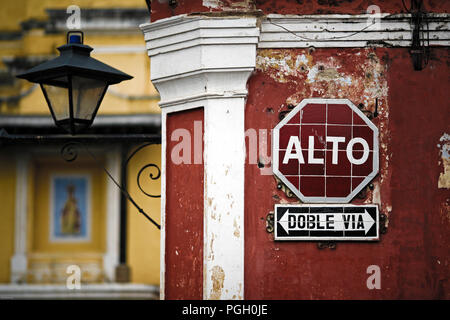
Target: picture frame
[(70, 208)]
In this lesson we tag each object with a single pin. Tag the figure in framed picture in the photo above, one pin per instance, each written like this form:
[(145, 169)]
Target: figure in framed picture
[(70, 209), (70, 216)]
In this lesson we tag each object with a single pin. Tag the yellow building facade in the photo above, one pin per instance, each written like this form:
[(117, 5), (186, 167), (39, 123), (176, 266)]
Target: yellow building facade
[(56, 213)]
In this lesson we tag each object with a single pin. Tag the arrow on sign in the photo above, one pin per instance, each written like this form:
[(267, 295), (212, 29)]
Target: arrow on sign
[(299, 221)]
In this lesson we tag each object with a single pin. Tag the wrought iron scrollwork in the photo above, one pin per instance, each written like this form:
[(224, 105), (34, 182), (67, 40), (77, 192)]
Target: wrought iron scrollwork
[(69, 152), (149, 165)]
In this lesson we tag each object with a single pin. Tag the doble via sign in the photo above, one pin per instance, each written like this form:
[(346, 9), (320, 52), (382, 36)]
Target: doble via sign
[(326, 222)]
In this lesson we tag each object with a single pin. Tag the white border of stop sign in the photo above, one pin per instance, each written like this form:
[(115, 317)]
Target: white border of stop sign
[(334, 140)]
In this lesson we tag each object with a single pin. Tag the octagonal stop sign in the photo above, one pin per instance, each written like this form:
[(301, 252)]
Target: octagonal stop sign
[(325, 150)]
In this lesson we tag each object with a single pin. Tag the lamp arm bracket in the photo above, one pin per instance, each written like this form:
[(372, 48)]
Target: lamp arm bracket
[(69, 152)]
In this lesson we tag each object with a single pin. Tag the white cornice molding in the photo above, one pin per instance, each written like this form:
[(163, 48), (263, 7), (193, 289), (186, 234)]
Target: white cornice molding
[(182, 32), (197, 57), (340, 31), (203, 85)]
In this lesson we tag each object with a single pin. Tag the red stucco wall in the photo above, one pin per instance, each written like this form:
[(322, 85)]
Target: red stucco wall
[(414, 109), (413, 114), (184, 216), (161, 9)]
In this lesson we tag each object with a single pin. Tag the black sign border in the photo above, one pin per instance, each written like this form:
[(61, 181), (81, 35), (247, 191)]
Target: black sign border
[(340, 238)]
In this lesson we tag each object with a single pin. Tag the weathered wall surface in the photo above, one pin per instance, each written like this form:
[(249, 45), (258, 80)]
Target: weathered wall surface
[(410, 109), (413, 254), (160, 8), (184, 215)]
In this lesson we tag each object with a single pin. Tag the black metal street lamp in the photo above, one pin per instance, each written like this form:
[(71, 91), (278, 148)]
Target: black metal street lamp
[(74, 83)]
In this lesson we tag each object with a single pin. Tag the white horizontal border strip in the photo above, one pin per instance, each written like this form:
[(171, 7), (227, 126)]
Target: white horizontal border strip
[(290, 31)]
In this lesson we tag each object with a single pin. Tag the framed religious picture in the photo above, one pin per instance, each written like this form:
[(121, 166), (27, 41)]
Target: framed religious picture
[(70, 208)]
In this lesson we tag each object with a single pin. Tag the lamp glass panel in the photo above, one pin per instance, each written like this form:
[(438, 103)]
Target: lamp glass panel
[(58, 94), (86, 94)]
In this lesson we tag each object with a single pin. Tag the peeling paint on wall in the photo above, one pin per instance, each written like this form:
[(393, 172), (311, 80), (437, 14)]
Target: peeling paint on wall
[(211, 248), (236, 232), (161, 9), (212, 3), (444, 146), (445, 210), (359, 75), (342, 75), (228, 4), (217, 277)]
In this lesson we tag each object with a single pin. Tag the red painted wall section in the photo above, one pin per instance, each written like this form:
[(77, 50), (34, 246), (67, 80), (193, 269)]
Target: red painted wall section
[(413, 114), (420, 224), (161, 8), (342, 6), (184, 215)]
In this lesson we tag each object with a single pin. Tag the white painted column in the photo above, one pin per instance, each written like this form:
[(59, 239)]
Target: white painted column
[(224, 199), (162, 244), (19, 262), (205, 62), (111, 256)]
